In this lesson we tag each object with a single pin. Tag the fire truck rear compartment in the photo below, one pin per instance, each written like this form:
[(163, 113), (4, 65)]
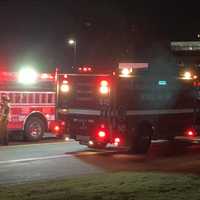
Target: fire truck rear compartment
[(84, 93)]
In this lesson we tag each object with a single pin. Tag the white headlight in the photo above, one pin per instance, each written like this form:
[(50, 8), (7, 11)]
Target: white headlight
[(27, 76), (187, 75)]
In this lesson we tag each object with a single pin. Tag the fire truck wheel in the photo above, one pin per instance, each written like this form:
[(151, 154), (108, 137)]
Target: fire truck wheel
[(141, 140), (34, 129)]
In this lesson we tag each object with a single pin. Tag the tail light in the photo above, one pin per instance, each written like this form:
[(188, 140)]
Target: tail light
[(191, 132), (102, 133), (104, 87), (56, 128)]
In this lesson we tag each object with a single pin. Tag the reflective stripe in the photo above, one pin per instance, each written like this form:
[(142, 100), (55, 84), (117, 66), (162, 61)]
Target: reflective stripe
[(32, 105), (27, 92), (159, 112), (129, 112), (83, 111)]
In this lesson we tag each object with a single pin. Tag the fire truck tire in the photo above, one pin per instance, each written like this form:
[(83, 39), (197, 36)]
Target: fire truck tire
[(34, 129), (141, 139)]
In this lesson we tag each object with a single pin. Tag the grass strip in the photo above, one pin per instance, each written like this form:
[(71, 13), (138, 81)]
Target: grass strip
[(109, 186)]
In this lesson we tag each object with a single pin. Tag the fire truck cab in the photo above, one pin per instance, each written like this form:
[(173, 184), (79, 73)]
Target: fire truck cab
[(128, 106)]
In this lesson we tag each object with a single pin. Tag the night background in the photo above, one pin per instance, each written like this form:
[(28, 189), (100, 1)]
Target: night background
[(107, 32)]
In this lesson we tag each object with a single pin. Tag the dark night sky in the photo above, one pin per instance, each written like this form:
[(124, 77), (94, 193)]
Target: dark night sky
[(107, 31)]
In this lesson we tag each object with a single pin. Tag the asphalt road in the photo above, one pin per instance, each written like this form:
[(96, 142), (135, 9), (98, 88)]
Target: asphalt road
[(20, 163), (57, 159)]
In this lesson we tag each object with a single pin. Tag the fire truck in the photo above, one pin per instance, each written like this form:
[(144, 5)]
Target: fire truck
[(128, 106), (32, 103)]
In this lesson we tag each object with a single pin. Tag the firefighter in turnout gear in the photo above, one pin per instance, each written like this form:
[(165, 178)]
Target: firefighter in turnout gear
[(5, 109)]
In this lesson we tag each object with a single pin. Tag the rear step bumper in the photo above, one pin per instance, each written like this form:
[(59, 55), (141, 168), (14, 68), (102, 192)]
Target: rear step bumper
[(83, 138)]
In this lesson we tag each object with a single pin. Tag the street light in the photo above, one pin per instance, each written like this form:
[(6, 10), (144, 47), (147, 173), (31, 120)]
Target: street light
[(73, 43)]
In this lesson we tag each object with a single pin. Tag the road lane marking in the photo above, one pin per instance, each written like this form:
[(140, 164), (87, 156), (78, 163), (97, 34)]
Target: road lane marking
[(29, 145), (35, 159)]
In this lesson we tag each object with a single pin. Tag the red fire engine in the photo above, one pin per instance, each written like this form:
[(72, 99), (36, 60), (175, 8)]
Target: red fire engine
[(32, 102), (129, 106)]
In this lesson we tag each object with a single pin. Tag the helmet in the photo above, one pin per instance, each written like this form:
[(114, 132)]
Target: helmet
[(5, 97)]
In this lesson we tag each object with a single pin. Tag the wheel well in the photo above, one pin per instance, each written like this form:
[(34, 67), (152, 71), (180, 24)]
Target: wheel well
[(40, 116)]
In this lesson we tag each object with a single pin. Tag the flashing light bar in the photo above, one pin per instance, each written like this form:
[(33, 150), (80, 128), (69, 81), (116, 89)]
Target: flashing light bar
[(85, 69), (188, 75), (46, 76), (133, 65), (127, 68), (185, 45), (27, 76)]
